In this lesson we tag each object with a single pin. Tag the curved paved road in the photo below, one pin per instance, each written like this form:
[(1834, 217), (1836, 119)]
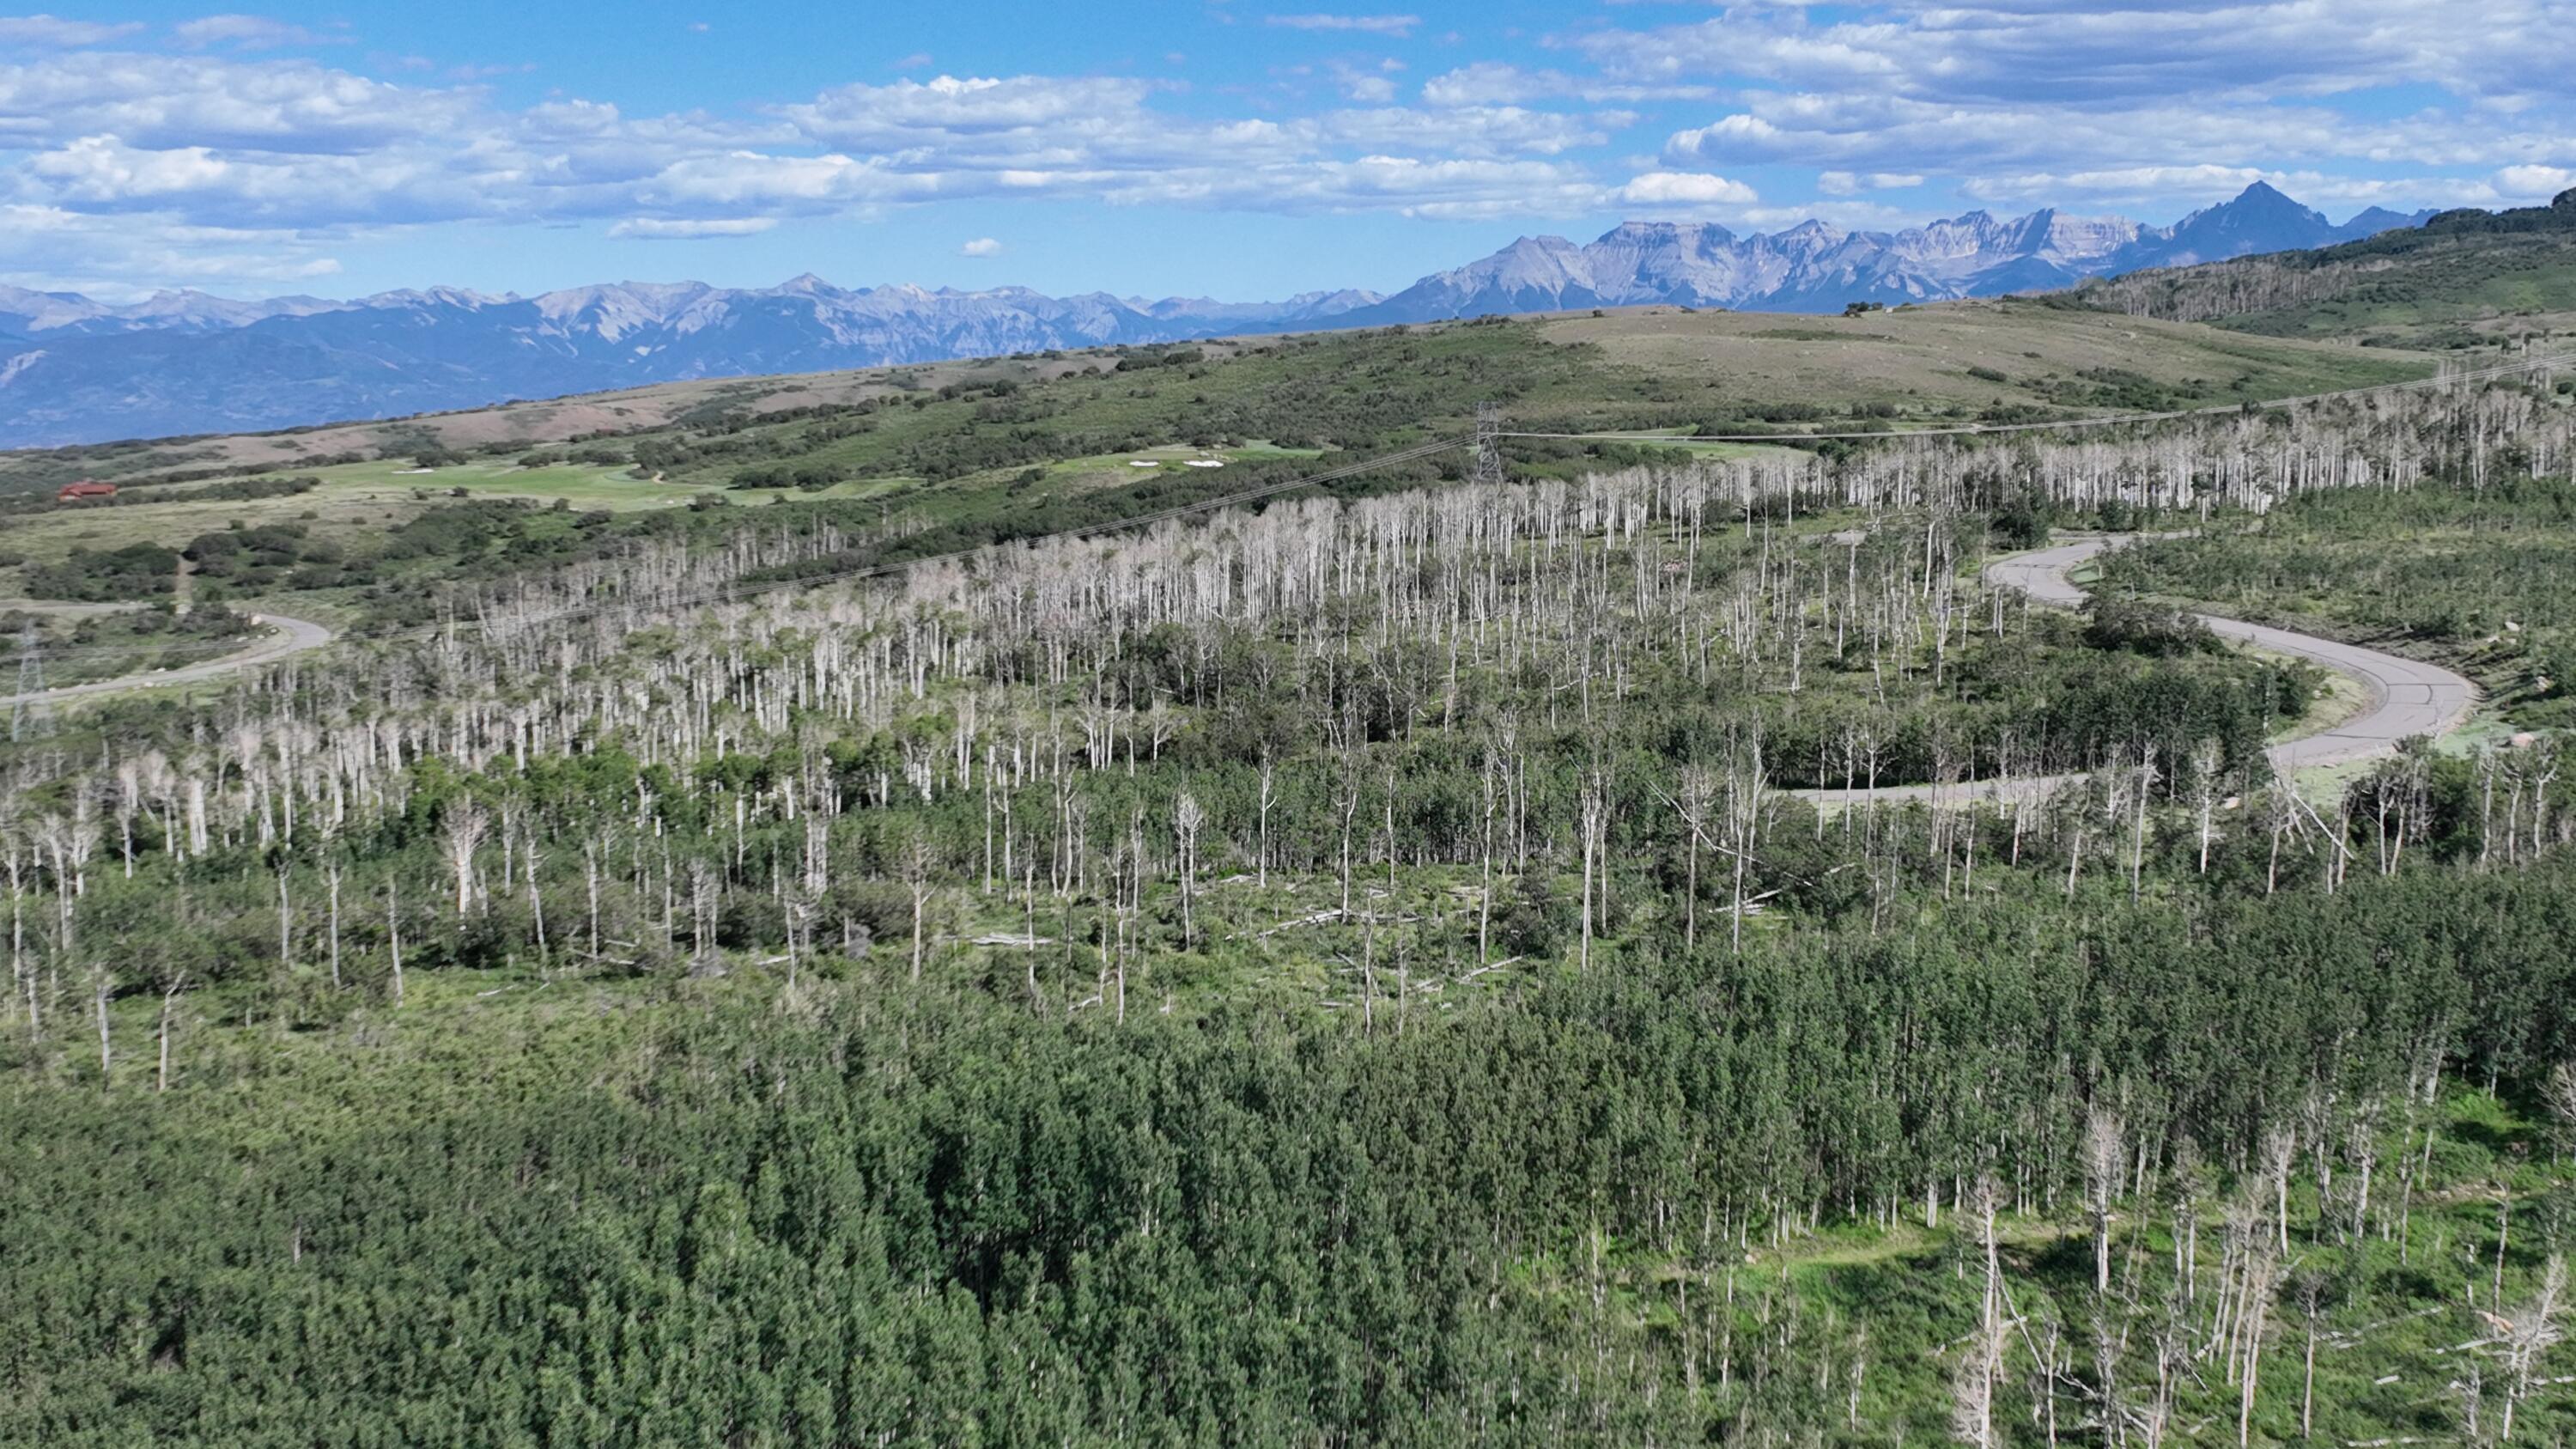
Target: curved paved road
[(2406, 697), (288, 636)]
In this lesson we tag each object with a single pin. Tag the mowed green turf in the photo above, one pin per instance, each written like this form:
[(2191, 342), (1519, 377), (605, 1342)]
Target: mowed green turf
[(355, 502), (585, 485)]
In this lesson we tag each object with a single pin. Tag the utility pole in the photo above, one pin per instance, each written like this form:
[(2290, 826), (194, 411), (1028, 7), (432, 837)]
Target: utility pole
[(28, 716), (1489, 437)]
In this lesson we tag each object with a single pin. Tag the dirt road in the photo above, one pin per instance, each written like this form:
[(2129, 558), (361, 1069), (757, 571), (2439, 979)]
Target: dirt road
[(2405, 697), (286, 636)]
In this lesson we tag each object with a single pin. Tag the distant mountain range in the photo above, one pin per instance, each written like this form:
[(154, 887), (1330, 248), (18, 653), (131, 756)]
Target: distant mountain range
[(73, 370), (1813, 267)]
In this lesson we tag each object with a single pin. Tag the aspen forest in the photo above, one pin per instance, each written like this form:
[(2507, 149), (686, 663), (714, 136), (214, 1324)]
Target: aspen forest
[(1549, 944)]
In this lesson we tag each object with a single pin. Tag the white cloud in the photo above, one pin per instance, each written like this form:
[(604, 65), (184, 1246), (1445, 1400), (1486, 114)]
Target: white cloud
[(210, 149), (1846, 183), (755, 179), (246, 32), (2129, 185), (1989, 50), (59, 34), (1685, 188), (982, 246), (1479, 131), (285, 105), (1488, 82), (126, 257), (1395, 25), (2535, 181), (2006, 88), (1375, 86), (649, 228), (102, 168)]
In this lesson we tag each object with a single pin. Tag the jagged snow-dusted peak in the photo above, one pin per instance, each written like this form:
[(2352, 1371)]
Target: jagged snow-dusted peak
[(616, 309), (1533, 263), (436, 297)]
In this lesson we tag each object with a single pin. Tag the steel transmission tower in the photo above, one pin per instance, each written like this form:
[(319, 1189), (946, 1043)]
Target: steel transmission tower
[(1489, 443), (28, 716)]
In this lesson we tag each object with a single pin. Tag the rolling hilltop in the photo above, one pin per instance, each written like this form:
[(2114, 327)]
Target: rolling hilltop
[(2459, 276), (74, 370), (1660, 367)]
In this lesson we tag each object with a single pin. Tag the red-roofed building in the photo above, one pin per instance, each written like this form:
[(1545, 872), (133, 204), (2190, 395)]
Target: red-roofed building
[(85, 489)]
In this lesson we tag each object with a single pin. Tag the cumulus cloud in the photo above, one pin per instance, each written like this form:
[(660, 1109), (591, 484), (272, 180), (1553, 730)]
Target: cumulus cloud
[(1487, 83), (2126, 185), (286, 144), (649, 228), (1685, 188), (982, 246), (205, 140), (1394, 25), (54, 33), (280, 105), (245, 32), (120, 258), (1846, 183), (2535, 181), (2001, 50), (104, 169), (2007, 88)]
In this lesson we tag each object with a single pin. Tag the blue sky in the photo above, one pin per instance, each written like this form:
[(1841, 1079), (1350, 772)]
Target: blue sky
[(1231, 149)]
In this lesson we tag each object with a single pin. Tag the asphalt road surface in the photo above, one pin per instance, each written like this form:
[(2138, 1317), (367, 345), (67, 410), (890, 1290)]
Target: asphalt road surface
[(2405, 697)]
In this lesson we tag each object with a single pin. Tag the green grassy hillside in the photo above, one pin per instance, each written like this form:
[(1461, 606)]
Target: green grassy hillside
[(1015, 446), (2462, 278), (1088, 414)]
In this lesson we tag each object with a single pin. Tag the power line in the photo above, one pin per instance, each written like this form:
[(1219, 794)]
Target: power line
[(1489, 433), (28, 715)]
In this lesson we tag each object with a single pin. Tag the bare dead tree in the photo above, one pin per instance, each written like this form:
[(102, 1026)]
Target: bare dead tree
[(1187, 819), (170, 990), (2522, 1338), (1595, 813), (466, 823), (2105, 1161), (1972, 1415)]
